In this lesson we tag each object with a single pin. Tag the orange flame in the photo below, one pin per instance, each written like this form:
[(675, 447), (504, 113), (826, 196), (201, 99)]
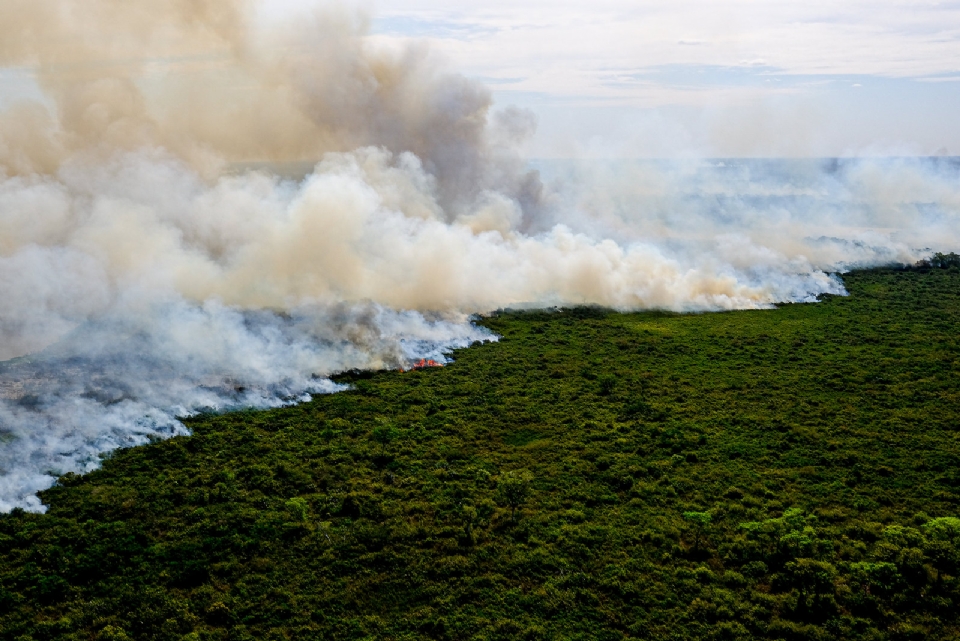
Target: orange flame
[(423, 363)]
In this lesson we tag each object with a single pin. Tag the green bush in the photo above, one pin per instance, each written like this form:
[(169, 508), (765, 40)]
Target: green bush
[(779, 474)]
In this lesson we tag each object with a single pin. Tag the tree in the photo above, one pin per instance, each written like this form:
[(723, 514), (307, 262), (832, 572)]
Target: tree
[(383, 435), (943, 545), (297, 507), (810, 578), (700, 522), (514, 488)]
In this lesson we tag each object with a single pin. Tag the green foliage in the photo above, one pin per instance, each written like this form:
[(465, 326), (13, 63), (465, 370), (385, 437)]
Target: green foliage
[(701, 519), (779, 474), (112, 633), (297, 507), (700, 522), (941, 261), (514, 488)]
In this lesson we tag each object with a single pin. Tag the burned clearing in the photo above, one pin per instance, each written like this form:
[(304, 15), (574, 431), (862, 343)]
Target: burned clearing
[(784, 474)]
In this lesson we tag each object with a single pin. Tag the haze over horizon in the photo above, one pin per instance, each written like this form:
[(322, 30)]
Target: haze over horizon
[(704, 78)]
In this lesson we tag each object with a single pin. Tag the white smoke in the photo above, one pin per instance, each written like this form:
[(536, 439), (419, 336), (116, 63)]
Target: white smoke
[(131, 373), (146, 275)]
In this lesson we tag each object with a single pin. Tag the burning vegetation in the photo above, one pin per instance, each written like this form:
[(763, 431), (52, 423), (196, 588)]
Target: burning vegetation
[(423, 363)]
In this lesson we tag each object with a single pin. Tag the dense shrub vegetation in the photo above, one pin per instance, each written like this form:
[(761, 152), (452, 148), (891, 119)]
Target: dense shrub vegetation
[(781, 474)]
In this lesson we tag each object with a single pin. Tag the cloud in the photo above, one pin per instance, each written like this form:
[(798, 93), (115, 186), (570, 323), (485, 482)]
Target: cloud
[(887, 39), (586, 56)]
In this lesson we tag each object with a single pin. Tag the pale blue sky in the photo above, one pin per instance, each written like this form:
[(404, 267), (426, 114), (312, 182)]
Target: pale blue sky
[(698, 76)]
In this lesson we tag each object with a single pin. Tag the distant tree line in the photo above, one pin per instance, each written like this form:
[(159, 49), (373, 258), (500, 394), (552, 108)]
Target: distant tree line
[(939, 261)]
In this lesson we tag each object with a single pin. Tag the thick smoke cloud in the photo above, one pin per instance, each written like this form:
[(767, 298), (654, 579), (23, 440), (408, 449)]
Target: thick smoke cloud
[(213, 209)]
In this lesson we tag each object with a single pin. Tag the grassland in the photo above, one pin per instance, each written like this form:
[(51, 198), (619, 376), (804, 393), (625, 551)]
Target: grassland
[(782, 474)]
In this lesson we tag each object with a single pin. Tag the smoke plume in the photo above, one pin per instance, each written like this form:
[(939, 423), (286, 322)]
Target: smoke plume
[(212, 208)]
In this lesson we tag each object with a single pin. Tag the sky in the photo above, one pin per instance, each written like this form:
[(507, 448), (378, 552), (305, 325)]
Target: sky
[(730, 78), (609, 78)]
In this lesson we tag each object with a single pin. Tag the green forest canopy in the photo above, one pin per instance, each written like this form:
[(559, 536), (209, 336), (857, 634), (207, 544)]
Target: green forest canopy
[(782, 474)]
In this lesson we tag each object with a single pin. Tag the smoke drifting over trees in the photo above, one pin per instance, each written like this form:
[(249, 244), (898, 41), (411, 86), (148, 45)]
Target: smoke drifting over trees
[(134, 246)]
